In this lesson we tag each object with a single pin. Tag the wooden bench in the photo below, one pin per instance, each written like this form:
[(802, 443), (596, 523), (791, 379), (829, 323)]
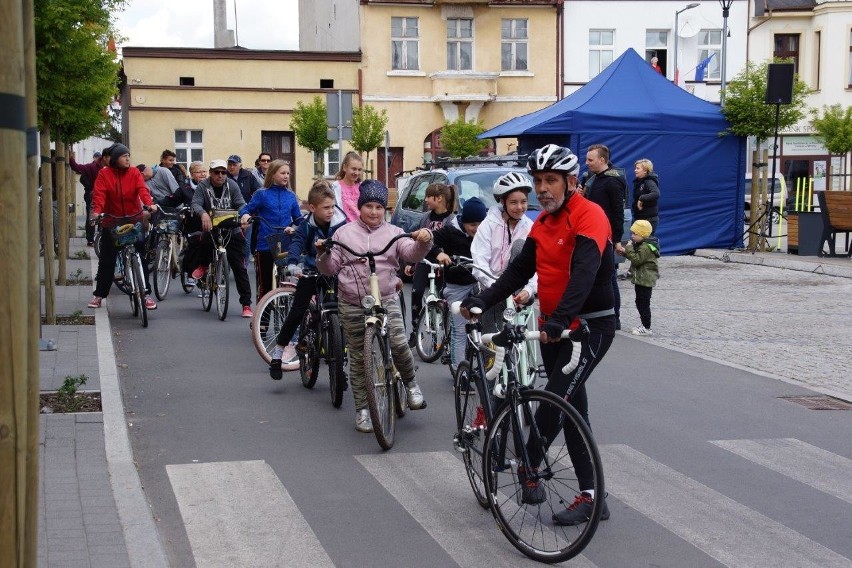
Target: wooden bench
[(836, 208)]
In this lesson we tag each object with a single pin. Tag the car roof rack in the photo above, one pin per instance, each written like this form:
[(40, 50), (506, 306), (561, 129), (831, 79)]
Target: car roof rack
[(508, 160)]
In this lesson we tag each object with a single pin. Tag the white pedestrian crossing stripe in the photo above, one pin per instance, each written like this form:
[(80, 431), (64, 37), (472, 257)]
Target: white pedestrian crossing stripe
[(239, 514), (445, 506), (813, 466), (731, 533)]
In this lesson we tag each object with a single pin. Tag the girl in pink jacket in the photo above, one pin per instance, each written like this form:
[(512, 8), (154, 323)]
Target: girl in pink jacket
[(370, 232)]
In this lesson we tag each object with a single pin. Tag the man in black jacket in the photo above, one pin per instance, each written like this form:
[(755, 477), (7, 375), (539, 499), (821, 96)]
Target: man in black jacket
[(608, 188)]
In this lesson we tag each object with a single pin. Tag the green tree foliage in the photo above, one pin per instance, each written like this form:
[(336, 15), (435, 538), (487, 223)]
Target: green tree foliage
[(459, 138), (746, 110), (309, 126), (834, 127), (77, 74), (368, 128)]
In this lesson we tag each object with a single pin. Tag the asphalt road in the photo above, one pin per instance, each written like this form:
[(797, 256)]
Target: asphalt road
[(705, 464)]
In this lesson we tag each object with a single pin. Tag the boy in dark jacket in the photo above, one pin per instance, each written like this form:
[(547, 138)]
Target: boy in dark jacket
[(642, 252), (454, 238)]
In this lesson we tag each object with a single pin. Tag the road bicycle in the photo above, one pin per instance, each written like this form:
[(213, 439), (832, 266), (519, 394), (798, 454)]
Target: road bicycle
[(321, 337), (433, 325), (169, 242), (130, 276), (386, 393), (215, 284), (273, 307), (509, 461)]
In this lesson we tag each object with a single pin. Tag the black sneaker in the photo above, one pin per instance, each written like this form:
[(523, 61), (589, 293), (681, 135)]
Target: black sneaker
[(579, 511), (275, 369), (532, 492), (445, 358)]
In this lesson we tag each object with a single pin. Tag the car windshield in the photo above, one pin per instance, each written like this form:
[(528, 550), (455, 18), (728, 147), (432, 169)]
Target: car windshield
[(480, 184)]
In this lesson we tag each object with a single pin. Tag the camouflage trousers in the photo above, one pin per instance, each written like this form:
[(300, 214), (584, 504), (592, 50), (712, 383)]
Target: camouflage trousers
[(352, 320)]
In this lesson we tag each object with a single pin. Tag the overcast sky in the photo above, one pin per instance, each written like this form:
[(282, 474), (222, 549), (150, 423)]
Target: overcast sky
[(261, 24)]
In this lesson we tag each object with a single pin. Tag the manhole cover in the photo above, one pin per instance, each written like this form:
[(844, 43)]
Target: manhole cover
[(819, 402)]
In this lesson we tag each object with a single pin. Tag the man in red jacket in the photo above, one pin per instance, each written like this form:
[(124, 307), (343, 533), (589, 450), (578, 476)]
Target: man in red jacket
[(119, 191)]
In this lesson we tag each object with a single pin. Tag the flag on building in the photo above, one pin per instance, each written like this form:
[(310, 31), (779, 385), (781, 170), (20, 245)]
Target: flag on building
[(702, 68)]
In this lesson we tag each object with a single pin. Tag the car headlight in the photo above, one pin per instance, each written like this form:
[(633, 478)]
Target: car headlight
[(368, 301)]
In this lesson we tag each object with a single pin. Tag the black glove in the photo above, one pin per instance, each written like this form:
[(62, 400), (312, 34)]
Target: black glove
[(473, 302), (553, 328)]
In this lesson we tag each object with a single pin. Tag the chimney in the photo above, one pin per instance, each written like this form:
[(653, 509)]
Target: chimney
[(222, 36)]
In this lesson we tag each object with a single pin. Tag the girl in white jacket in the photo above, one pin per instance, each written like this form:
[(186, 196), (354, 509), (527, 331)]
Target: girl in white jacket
[(505, 223)]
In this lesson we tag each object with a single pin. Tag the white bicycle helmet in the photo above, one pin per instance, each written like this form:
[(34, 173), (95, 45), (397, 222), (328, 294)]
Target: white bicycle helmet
[(553, 158), (513, 181)]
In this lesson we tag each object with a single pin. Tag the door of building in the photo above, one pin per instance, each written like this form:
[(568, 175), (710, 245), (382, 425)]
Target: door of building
[(396, 161), (281, 146)]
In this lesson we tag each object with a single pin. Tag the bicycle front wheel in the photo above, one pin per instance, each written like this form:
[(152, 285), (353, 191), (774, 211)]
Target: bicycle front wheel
[(272, 310), (309, 355), (205, 285), (379, 383), (139, 288), (162, 267), (335, 357), (128, 281), (220, 286), (472, 413), (431, 333), (524, 504)]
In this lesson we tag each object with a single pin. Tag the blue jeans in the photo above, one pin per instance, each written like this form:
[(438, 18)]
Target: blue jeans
[(458, 339)]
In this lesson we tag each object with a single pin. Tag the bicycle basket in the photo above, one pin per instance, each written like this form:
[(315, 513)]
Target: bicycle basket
[(225, 219), (277, 248), (126, 234)]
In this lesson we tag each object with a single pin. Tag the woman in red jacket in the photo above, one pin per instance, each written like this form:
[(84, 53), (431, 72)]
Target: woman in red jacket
[(119, 191)]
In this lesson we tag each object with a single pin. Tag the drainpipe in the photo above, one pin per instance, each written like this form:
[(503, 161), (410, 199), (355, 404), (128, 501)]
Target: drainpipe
[(560, 49)]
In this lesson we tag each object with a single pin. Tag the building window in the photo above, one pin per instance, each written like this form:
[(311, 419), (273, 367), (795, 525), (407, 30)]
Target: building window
[(600, 50), (331, 161), (656, 42), (405, 45), (818, 57), (850, 58), (710, 43), (459, 44), (189, 147), (513, 47), (787, 47)]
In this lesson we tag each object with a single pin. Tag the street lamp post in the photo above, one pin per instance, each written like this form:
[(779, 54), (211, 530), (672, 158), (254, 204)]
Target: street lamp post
[(677, 15), (726, 10)]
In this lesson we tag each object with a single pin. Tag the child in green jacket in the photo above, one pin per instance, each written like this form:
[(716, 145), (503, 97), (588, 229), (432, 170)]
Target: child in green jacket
[(642, 251)]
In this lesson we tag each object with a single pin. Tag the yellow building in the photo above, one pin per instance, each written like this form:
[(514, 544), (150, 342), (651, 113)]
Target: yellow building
[(427, 62), (208, 104)]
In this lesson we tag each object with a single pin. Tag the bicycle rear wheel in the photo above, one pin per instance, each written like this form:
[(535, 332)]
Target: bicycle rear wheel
[(379, 384), (335, 357), (272, 310), (221, 285), (526, 521), (162, 267), (431, 332), (472, 413), (309, 355), (139, 288)]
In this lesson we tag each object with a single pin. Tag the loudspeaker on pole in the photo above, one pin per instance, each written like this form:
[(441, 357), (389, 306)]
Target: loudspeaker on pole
[(779, 84)]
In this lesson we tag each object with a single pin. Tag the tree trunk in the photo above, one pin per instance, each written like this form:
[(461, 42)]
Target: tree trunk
[(62, 208), (30, 548), (47, 225), (14, 302)]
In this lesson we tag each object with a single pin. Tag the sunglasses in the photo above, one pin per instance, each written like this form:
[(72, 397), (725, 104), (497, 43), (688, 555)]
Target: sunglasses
[(264, 160), (219, 172)]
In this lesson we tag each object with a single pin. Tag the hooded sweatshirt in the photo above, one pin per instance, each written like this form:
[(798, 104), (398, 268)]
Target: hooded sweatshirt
[(491, 247), (644, 266), (353, 274), (304, 241), (278, 207)]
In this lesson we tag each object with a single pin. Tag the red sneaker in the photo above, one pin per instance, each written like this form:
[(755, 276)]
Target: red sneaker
[(95, 302), (199, 272), (150, 304), (479, 421), (247, 313)]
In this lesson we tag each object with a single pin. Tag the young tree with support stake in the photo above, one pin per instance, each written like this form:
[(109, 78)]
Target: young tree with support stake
[(459, 138), (309, 126), (749, 115), (368, 129), (834, 128)]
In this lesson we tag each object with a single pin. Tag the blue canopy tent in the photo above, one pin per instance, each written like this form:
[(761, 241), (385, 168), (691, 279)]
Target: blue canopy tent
[(638, 113)]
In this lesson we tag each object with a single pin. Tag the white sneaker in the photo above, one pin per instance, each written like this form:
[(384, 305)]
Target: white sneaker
[(415, 396), (641, 330), (363, 423), (289, 355)]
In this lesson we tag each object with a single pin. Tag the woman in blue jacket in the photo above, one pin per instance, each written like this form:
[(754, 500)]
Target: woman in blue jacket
[(277, 206)]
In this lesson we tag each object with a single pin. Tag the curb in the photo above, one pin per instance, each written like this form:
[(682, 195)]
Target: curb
[(779, 260), (144, 548)]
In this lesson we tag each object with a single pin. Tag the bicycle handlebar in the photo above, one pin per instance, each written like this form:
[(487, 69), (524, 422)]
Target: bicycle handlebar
[(330, 243), (467, 262)]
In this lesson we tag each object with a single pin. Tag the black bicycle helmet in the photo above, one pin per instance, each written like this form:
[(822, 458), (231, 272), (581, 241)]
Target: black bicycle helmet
[(553, 158)]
